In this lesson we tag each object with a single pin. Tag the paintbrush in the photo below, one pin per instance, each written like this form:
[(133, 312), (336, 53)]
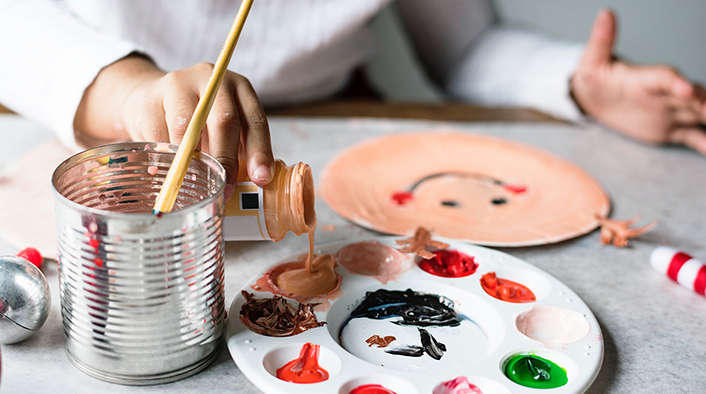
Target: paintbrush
[(175, 177)]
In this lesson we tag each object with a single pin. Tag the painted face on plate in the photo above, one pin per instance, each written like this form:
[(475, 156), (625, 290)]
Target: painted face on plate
[(478, 188), (458, 195)]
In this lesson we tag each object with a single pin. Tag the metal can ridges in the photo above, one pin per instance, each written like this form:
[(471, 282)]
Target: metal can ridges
[(142, 297)]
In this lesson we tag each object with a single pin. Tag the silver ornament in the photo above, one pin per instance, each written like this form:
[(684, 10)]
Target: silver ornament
[(24, 299)]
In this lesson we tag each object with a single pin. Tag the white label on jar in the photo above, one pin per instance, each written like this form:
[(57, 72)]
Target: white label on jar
[(245, 214)]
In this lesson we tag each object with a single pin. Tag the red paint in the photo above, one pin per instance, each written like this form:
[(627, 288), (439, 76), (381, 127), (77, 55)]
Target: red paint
[(402, 198), (515, 188), (98, 261), (305, 369), (449, 264), (371, 389), (32, 255), (700, 281), (94, 243), (506, 290), (675, 265)]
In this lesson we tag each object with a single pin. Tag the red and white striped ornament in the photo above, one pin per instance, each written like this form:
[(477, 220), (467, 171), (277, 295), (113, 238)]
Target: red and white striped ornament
[(680, 267)]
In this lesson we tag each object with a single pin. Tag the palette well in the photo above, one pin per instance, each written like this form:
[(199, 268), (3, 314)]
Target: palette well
[(457, 330)]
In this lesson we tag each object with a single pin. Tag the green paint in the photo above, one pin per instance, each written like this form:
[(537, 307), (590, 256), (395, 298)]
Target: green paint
[(533, 371)]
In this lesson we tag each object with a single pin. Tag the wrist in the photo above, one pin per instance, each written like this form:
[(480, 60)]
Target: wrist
[(99, 113), (572, 95)]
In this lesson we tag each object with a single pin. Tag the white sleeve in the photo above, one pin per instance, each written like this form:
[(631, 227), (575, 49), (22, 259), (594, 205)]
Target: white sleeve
[(49, 57), (516, 68)]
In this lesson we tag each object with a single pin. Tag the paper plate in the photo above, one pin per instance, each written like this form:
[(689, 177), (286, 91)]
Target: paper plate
[(491, 332), (477, 188)]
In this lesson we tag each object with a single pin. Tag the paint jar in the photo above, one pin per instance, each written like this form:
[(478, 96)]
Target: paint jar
[(142, 295), (268, 213)]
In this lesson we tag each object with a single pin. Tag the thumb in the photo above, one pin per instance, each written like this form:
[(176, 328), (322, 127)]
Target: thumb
[(599, 49)]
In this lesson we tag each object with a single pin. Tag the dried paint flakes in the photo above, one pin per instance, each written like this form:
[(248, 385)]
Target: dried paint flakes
[(618, 232), (378, 341), (419, 243)]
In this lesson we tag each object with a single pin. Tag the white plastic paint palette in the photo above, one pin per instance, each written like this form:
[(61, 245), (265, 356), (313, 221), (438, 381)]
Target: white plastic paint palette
[(477, 348)]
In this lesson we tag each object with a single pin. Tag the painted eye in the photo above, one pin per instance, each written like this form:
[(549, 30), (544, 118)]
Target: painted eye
[(498, 201), (450, 203)]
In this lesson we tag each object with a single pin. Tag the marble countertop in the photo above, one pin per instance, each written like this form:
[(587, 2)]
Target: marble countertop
[(653, 329)]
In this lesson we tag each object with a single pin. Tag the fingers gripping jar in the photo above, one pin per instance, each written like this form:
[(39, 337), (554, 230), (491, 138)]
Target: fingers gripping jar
[(267, 213)]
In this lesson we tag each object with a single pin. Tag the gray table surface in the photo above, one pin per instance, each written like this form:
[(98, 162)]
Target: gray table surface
[(653, 329)]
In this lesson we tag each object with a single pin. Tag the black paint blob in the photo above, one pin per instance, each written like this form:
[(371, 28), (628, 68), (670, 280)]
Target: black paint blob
[(411, 308), (433, 348), (449, 203), (499, 201), (407, 350), (429, 346)]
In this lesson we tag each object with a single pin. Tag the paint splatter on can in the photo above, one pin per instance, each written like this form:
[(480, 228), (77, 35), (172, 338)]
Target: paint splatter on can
[(681, 268)]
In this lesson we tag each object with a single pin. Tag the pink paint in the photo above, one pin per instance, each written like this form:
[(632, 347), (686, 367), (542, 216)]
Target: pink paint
[(373, 259), (460, 385), (371, 389), (152, 170)]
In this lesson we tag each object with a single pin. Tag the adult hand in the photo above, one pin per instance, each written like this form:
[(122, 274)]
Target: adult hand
[(654, 104), (133, 99)]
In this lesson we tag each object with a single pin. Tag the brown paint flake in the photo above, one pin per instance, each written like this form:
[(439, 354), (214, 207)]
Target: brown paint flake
[(419, 243), (618, 232), (379, 341)]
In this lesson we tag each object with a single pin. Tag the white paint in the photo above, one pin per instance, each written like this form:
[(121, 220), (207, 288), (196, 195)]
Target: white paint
[(552, 325)]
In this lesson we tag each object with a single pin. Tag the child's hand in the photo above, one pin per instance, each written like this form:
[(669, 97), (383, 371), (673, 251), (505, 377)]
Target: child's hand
[(133, 99), (653, 104)]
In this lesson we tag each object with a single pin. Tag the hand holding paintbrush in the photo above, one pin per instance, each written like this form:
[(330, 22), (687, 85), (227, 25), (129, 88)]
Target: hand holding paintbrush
[(132, 99)]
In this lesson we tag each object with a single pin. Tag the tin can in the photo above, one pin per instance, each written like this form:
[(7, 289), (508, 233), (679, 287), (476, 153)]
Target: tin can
[(142, 296)]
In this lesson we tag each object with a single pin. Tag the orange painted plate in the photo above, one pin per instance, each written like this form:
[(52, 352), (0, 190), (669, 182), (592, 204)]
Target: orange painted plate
[(482, 189)]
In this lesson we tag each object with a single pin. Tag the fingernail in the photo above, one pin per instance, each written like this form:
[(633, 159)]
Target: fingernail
[(228, 191), (262, 173)]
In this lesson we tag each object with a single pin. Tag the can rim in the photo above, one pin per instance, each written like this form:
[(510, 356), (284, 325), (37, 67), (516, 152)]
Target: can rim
[(129, 147)]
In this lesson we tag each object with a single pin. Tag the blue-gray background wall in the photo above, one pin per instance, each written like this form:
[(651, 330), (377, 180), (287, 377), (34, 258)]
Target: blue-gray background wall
[(649, 31), (669, 32)]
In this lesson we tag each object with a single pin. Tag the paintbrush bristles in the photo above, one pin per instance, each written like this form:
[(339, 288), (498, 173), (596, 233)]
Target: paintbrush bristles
[(175, 177)]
